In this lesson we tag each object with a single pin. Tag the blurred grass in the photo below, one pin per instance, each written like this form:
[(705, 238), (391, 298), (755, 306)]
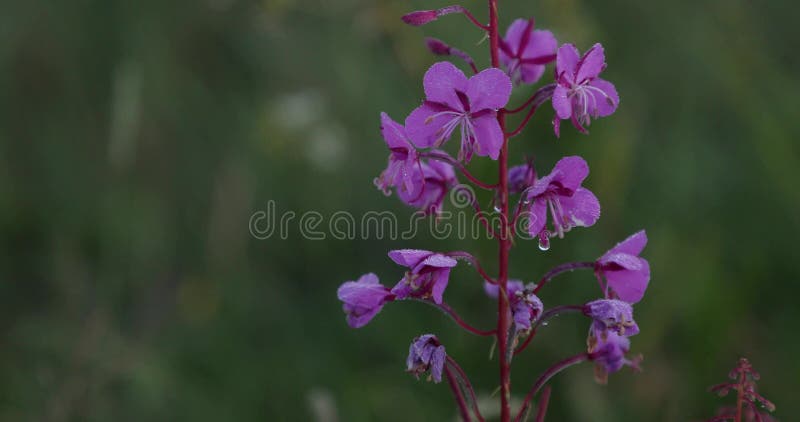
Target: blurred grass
[(136, 139)]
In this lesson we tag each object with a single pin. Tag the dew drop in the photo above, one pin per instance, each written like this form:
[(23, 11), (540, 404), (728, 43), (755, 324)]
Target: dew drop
[(544, 244), (545, 323), (497, 209)]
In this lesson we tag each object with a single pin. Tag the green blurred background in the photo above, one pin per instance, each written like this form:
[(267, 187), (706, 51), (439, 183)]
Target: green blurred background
[(137, 139)]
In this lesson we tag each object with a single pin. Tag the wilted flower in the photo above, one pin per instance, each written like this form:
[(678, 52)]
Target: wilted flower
[(426, 354), (525, 306), (611, 314)]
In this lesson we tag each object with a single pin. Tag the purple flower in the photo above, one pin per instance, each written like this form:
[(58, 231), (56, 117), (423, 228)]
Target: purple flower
[(404, 166), (363, 299), (525, 306), (521, 177), (625, 272), (524, 52), (428, 275), (455, 102), (424, 354), (612, 314), (608, 352), (435, 180), (580, 94), (560, 194)]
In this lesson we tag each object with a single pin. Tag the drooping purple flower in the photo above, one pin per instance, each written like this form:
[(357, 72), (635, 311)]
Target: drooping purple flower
[(521, 177), (626, 274), (404, 170), (612, 314), (580, 94), (435, 180), (608, 352), (524, 51), (560, 195), (363, 299), (428, 275), (426, 353), (455, 102), (525, 306)]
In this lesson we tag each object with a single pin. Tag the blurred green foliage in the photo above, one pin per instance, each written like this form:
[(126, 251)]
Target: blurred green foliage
[(137, 138)]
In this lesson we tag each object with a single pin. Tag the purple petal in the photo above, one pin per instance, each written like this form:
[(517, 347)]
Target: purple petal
[(437, 363), (542, 43), (409, 257), (442, 277), (441, 82), (633, 245), (606, 104), (394, 133), (488, 135), (489, 89), (582, 208), (567, 59), (492, 290), (592, 63), (440, 261), (537, 217), (570, 172), (627, 284), (424, 129), (531, 73), (561, 102), (514, 33), (623, 260)]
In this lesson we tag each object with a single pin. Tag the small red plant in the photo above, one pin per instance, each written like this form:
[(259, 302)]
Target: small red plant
[(748, 400)]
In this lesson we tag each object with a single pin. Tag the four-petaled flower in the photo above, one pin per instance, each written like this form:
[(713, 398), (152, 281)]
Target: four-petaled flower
[(363, 299), (626, 274), (524, 52), (612, 314), (455, 102), (404, 170), (580, 95), (435, 180), (560, 193), (525, 306), (428, 275), (426, 353)]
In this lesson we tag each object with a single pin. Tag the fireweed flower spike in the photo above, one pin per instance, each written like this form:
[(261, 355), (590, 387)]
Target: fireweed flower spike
[(455, 102), (426, 354), (580, 95), (626, 274), (560, 195), (428, 275), (404, 165), (525, 306), (363, 299), (524, 52)]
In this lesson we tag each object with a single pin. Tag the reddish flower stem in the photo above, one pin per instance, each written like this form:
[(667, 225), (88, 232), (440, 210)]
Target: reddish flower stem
[(459, 396), (545, 376), (563, 268), (474, 261), (522, 124), (504, 240), (462, 9), (455, 163), (543, 318), (541, 410), (468, 386), (740, 396), (458, 320)]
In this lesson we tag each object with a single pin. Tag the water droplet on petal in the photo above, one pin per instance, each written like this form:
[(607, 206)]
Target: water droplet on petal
[(544, 244)]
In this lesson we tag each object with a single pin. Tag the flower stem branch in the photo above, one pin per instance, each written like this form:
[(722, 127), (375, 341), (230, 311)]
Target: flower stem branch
[(468, 386), (522, 124), (462, 9), (555, 311), (450, 160), (475, 263), (545, 376), (544, 400), (457, 318), (541, 95), (563, 268), (457, 394)]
